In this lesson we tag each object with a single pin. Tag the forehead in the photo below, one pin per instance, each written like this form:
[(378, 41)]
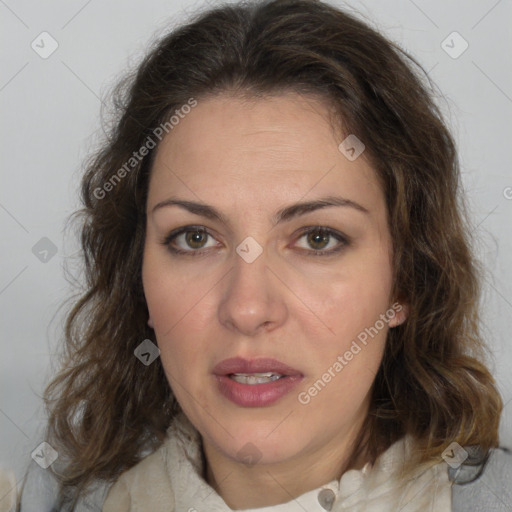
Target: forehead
[(267, 151)]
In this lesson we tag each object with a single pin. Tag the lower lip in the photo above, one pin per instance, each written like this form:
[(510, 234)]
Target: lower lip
[(256, 395)]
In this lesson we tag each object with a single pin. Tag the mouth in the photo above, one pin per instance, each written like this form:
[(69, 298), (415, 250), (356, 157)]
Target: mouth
[(256, 382)]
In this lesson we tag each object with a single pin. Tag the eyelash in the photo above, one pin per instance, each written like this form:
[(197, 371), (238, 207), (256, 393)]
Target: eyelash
[(342, 239)]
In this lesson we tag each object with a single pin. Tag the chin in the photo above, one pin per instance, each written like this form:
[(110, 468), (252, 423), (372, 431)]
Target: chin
[(262, 443)]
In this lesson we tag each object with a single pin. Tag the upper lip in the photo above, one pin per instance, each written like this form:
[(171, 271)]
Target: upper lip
[(262, 365)]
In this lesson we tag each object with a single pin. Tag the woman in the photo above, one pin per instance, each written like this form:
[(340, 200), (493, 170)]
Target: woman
[(281, 310)]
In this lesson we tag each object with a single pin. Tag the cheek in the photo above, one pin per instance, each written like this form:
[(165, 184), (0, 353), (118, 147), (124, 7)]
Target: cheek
[(346, 356), (346, 360), (348, 298), (181, 310), (174, 297)]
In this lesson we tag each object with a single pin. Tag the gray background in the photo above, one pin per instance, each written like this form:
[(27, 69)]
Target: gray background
[(50, 122)]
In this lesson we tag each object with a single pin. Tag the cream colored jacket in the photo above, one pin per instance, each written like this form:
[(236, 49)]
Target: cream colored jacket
[(170, 480)]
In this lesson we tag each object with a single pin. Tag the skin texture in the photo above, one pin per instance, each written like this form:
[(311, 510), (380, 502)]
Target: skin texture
[(249, 160)]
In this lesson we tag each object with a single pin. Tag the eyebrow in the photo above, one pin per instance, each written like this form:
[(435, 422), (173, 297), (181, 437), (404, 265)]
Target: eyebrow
[(283, 215)]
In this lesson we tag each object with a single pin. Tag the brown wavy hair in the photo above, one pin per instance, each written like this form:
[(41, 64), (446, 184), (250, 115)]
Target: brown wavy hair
[(106, 409)]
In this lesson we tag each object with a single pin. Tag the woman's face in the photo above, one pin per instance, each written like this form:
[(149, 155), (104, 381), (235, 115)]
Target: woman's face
[(284, 254)]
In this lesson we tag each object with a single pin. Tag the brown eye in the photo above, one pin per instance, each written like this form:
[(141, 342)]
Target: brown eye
[(189, 240), (320, 241)]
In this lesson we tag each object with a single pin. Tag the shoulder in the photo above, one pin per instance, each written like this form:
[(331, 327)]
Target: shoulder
[(40, 493), (8, 490), (129, 493), (146, 482), (39, 490), (484, 488), (149, 484)]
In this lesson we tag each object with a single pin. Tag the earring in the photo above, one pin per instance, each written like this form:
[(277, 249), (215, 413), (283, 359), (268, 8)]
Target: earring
[(401, 313)]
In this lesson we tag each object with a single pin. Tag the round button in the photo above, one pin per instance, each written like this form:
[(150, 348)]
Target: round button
[(326, 498)]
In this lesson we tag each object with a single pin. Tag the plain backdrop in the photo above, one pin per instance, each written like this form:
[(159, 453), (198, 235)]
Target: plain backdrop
[(51, 119)]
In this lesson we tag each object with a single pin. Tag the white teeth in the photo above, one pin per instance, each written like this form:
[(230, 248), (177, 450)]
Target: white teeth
[(255, 378)]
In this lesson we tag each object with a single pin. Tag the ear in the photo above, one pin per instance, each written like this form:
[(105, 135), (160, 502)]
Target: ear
[(150, 323), (401, 314)]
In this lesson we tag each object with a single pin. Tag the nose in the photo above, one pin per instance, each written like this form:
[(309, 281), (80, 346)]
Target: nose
[(253, 300)]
